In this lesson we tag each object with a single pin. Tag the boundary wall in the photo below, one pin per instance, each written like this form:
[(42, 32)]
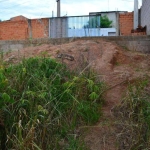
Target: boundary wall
[(135, 43)]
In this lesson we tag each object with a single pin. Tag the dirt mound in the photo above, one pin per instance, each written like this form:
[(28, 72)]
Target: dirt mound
[(113, 64)]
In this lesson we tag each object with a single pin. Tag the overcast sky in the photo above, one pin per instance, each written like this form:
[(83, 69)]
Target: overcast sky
[(44, 8)]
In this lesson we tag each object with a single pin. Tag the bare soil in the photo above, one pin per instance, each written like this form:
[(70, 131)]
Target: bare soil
[(115, 66)]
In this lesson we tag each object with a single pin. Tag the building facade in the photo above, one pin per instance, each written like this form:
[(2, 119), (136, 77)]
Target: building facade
[(112, 16)]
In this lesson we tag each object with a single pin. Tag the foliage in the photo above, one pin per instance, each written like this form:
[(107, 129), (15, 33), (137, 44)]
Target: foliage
[(43, 104), (105, 22), (99, 21), (134, 116)]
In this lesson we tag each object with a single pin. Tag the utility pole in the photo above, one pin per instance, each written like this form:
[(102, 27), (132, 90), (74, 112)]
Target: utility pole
[(58, 8), (136, 14)]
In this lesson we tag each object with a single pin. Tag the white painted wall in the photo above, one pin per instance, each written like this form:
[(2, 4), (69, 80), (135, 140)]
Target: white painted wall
[(91, 32), (113, 16), (145, 15)]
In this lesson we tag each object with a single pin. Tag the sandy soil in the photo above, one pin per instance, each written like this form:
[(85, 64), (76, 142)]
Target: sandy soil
[(114, 65)]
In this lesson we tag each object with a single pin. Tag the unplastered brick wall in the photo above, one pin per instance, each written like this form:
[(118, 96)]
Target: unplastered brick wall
[(40, 28), (13, 30), (126, 23), (18, 18), (24, 29), (145, 15)]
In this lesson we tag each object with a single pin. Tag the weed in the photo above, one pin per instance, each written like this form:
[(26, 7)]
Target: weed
[(133, 115), (44, 103), (44, 54), (125, 48), (1, 57), (117, 64), (57, 51)]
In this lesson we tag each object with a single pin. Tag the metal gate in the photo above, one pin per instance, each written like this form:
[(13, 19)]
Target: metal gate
[(75, 26), (58, 27)]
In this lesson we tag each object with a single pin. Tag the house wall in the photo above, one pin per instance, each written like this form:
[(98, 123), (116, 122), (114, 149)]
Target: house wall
[(24, 29), (126, 23), (145, 15), (113, 16)]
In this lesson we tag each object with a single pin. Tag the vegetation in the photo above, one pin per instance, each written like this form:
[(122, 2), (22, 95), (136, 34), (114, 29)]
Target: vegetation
[(105, 22), (99, 21), (42, 104), (133, 117)]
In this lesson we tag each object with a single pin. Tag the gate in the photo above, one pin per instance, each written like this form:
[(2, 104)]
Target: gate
[(58, 27), (75, 26)]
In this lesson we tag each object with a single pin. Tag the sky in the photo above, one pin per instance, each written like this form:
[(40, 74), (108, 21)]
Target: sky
[(43, 8)]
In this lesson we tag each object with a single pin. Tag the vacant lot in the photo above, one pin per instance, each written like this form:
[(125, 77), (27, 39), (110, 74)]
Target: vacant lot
[(118, 68)]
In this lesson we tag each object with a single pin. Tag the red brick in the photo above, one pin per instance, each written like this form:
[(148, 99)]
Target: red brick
[(16, 29), (126, 23)]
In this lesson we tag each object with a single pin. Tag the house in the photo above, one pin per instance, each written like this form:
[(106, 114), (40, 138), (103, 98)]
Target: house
[(20, 27), (122, 22), (112, 16)]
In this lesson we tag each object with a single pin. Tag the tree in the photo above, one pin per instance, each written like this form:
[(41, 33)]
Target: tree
[(105, 22), (99, 22)]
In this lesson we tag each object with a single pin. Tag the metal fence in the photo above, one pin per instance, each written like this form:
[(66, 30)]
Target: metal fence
[(75, 26)]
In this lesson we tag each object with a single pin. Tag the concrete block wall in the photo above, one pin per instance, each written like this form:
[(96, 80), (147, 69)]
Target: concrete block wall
[(145, 15), (135, 43), (126, 23)]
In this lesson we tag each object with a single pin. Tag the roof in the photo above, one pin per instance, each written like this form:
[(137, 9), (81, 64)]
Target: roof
[(102, 12)]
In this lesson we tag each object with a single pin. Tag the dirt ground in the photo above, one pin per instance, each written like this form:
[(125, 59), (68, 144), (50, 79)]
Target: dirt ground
[(114, 65)]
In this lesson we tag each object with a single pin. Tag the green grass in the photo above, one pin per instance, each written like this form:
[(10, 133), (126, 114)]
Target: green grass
[(42, 103)]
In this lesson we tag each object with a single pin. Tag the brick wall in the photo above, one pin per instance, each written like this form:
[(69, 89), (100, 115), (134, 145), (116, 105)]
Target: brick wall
[(40, 28), (22, 29), (145, 15), (13, 30), (18, 18), (126, 23)]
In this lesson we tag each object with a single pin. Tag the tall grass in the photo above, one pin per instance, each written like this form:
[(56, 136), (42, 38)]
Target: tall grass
[(133, 116), (42, 104)]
